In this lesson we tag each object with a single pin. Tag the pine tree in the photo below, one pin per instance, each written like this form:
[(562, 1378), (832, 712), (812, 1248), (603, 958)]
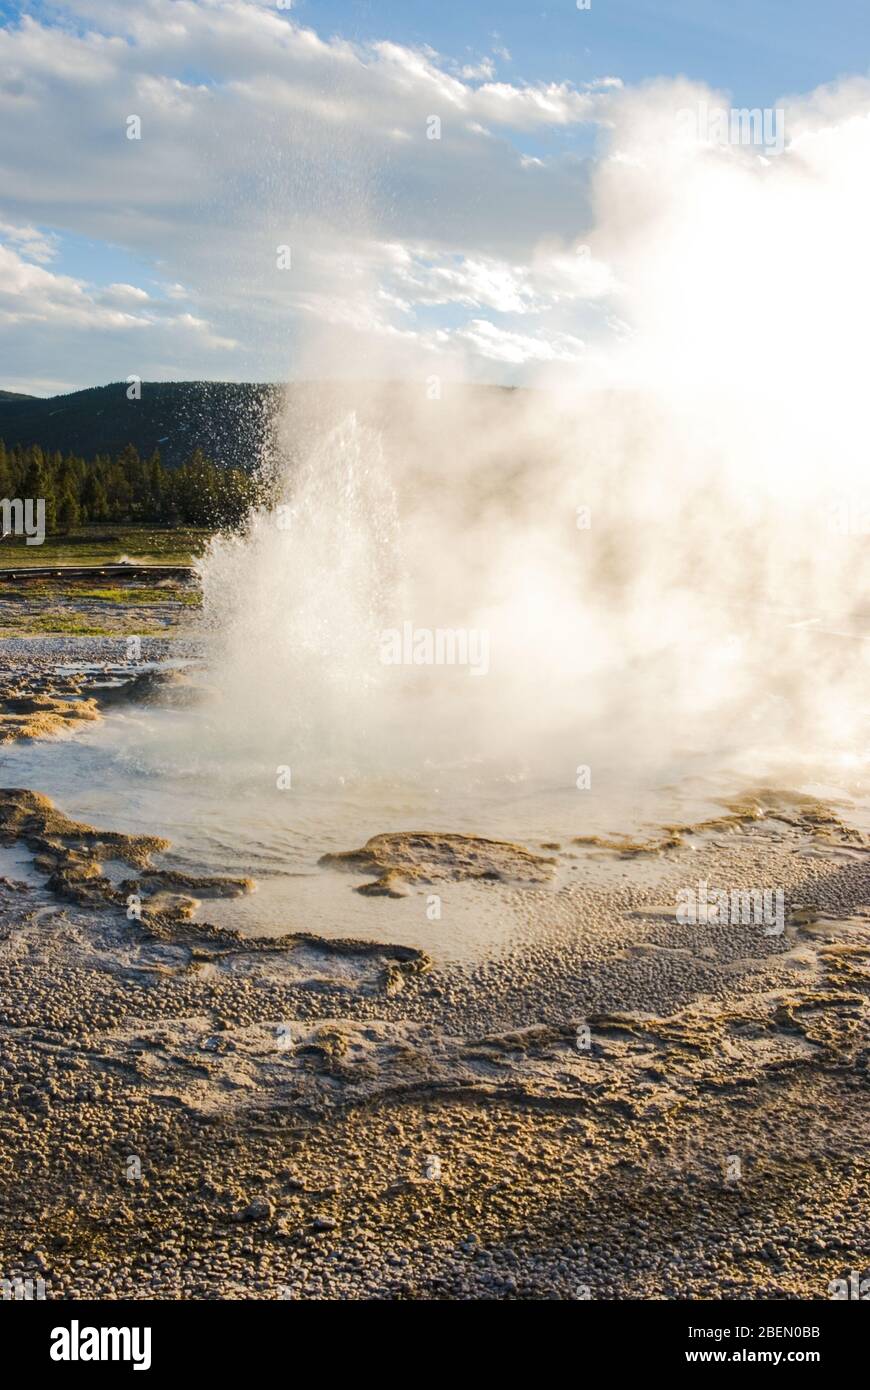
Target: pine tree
[(95, 503), (68, 511), (6, 474), (38, 484)]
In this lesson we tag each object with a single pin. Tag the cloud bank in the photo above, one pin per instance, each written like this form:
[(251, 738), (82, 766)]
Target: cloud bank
[(256, 134), (301, 205)]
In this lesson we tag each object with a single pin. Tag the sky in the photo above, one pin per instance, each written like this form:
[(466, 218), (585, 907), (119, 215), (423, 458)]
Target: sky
[(344, 188)]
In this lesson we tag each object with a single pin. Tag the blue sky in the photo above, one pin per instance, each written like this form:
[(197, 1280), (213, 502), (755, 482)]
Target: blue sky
[(266, 126), (757, 49)]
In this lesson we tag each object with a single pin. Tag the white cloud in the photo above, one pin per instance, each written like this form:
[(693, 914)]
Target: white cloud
[(474, 72), (44, 314), (123, 295), (283, 137), (500, 244), (517, 349), (35, 245), (30, 293)]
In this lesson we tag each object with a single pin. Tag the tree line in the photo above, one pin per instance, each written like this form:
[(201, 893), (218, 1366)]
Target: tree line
[(126, 488)]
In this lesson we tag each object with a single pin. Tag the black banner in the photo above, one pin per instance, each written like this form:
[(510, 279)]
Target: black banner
[(147, 1338)]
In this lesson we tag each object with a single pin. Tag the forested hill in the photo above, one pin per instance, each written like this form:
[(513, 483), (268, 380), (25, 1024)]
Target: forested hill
[(222, 418)]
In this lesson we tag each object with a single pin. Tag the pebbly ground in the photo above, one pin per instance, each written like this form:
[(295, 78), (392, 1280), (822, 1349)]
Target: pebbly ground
[(620, 1106)]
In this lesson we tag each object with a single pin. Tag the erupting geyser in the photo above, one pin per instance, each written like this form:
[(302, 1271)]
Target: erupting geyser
[(660, 561)]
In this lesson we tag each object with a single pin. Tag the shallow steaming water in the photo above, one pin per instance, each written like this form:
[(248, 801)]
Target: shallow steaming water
[(221, 823), (675, 683), (221, 820)]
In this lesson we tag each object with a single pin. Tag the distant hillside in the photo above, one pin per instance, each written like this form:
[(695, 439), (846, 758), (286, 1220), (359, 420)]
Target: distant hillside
[(224, 419), (230, 422)]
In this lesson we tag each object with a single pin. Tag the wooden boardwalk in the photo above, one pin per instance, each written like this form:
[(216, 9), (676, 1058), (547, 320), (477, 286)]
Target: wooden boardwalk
[(25, 572)]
